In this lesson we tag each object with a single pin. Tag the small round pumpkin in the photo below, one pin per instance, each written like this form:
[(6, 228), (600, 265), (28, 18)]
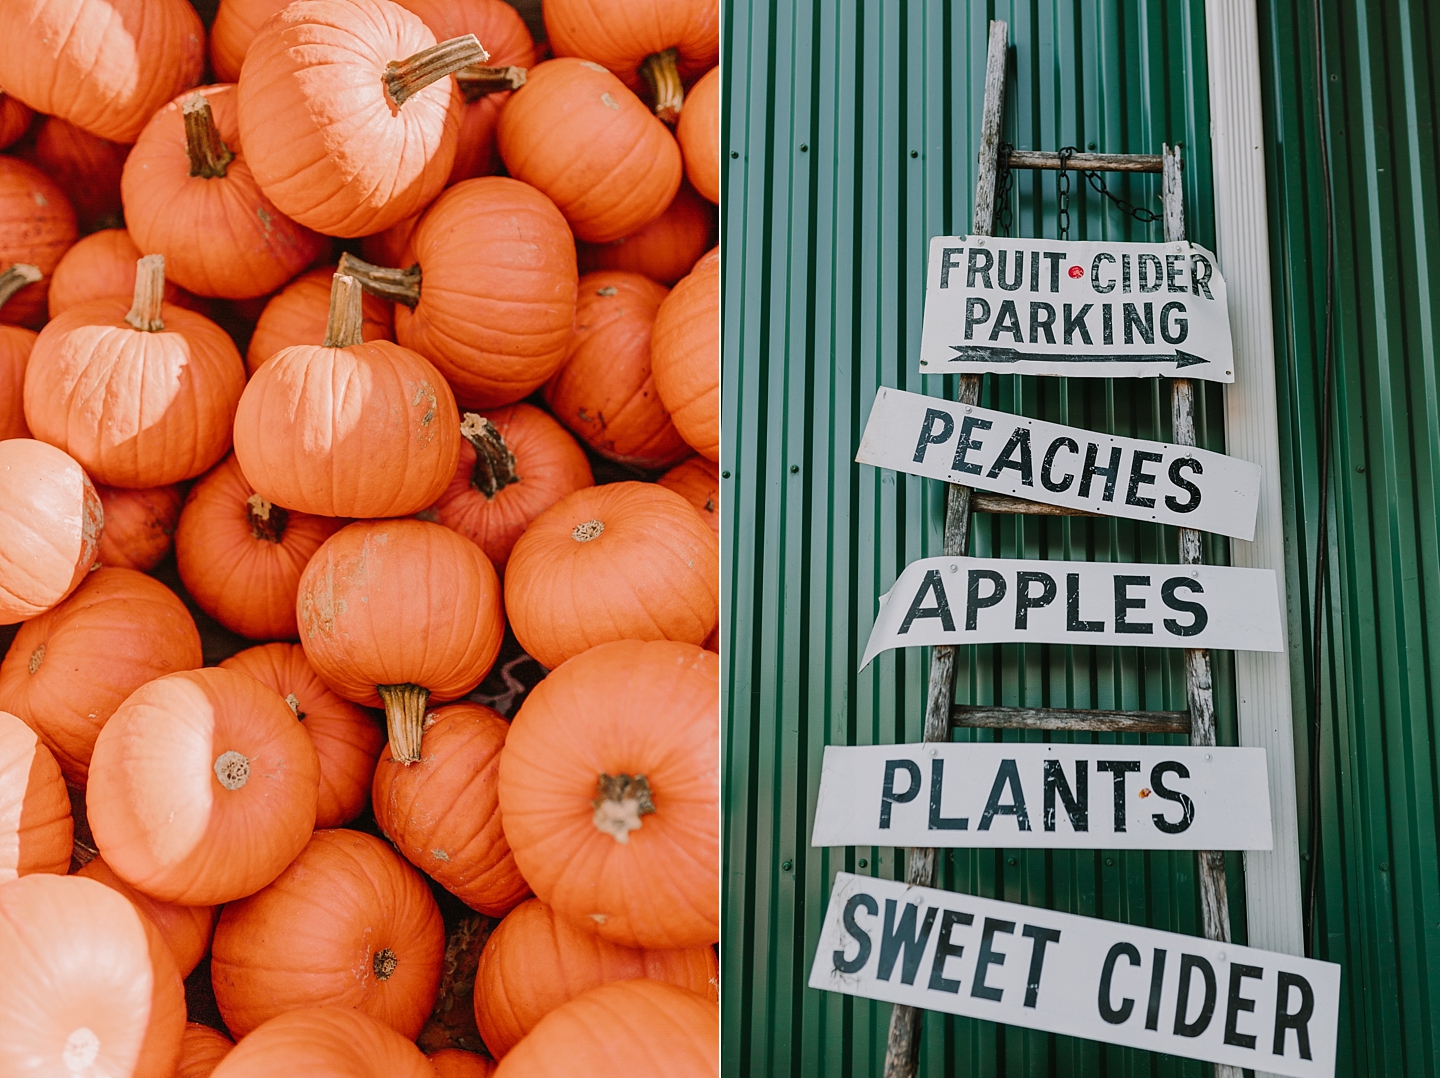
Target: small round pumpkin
[(348, 924), (535, 961), (139, 526), (628, 1027), (699, 135), (348, 428), (609, 790), (50, 525), (697, 480), (202, 787), (575, 132), (70, 668), (37, 227), (515, 463), (97, 992), (15, 119), (400, 612), (604, 392), (86, 167), (235, 26), (240, 556), (325, 1042), (16, 344), (347, 116), (664, 250), (299, 313), (442, 813), (102, 265), (186, 929), (202, 1050), (623, 561), (188, 176), (141, 399), (36, 829), (685, 355), (347, 740), (458, 1063)]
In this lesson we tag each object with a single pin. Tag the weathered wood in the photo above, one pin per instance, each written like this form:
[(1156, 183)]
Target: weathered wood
[(992, 111), (1088, 162), (985, 502), (1085, 721)]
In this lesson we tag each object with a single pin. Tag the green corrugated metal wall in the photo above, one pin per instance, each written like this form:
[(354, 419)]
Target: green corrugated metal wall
[(850, 139)]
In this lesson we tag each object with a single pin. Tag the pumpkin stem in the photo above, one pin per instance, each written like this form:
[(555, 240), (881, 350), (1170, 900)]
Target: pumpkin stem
[(209, 156), (384, 964), (36, 658), (494, 463), (267, 521), (232, 769), (662, 76), (294, 702), (16, 278), (405, 717), (396, 285), (149, 294), (344, 328), (623, 800), (405, 78), (590, 529), (476, 81)]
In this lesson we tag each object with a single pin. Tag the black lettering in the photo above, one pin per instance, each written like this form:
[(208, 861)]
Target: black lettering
[(1125, 273), (1039, 937), (974, 601), (977, 313), (1157, 985), (1189, 963), (1040, 325), (1035, 271), (1133, 322), (1077, 803), (1108, 1011), (1019, 442), (929, 435), (946, 265), (1200, 617), (941, 609), (1008, 320), (1095, 282), (1010, 286), (1174, 269), (1174, 504), (893, 937), (1236, 1004), (1182, 324), (1025, 602), (1107, 323), (1124, 604), (858, 934), (1054, 258), (1076, 323), (1118, 770), (988, 957), (966, 443), (1140, 477), (937, 791), (888, 796), (1007, 777), (1149, 277), (1047, 479), (1187, 807), (1200, 275), (979, 265), (1090, 471), (1298, 1020), (945, 950), (1072, 608)]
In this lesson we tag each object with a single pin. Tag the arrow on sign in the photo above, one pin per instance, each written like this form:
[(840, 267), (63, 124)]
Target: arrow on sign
[(976, 354)]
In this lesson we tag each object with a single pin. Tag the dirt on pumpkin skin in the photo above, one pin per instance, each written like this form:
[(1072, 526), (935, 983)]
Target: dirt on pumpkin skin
[(425, 396)]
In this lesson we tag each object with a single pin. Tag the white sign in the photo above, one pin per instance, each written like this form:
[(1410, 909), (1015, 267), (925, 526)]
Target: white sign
[(1114, 797), (1045, 462), (1081, 976), (995, 600), (1102, 310)]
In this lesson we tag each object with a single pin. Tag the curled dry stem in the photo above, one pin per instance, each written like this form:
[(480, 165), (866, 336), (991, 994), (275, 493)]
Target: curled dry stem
[(494, 463), (404, 79), (395, 285)]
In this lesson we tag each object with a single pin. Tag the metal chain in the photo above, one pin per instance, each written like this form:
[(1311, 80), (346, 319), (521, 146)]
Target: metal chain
[(1004, 181), (1140, 214), (1062, 190)]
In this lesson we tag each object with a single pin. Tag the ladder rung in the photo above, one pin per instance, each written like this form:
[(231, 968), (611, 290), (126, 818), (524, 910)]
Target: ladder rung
[(1097, 162), (986, 502), (1047, 718)]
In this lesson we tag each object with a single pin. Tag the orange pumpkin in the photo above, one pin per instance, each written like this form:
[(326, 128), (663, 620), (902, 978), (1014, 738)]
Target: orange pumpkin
[(15, 347), (575, 132), (104, 65), (202, 1050), (202, 787), (503, 33), (623, 561), (666, 248), (102, 265), (656, 46), (685, 356), (97, 992), (37, 226), (442, 813), (609, 789), (697, 480), (534, 962), (299, 312), (699, 135), (86, 167), (346, 114), (457, 1063), (498, 296), (348, 924), (71, 667), (604, 392), (347, 740), (50, 525), (188, 176), (15, 119), (325, 1042), (186, 929), (400, 612), (139, 526), (235, 26), (240, 557), (36, 829), (348, 428), (515, 463), (141, 399), (627, 1027)]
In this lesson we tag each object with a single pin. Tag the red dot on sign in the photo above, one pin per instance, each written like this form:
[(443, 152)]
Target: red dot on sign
[(1077, 272)]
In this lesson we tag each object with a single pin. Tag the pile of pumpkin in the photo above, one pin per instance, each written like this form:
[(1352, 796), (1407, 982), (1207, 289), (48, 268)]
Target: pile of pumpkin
[(387, 205)]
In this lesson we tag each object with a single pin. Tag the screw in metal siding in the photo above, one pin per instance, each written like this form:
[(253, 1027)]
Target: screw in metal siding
[(1110, 860), (914, 153), (803, 147), (794, 468), (863, 863), (786, 865), (734, 153), (724, 475), (1011, 861)]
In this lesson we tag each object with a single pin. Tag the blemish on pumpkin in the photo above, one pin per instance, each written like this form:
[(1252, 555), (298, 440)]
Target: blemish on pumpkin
[(36, 658), (709, 505), (41, 200), (592, 65), (80, 1051), (425, 396), (609, 102), (440, 855), (432, 515), (265, 218), (599, 918), (608, 290)]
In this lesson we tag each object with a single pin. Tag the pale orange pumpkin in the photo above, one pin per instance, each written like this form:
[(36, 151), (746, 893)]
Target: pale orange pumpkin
[(685, 355), (664, 250), (400, 612), (186, 929), (515, 463), (202, 787), (202, 1050), (348, 428), (36, 829), (347, 740), (71, 667), (97, 993), (102, 265), (458, 1063), (139, 526), (37, 227), (348, 924), (299, 312), (604, 392), (347, 115), (325, 1042), (235, 26), (575, 132), (86, 167), (15, 119), (535, 961), (16, 344), (50, 525), (623, 561), (188, 176), (240, 556), (699, 135), (697, 480)]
